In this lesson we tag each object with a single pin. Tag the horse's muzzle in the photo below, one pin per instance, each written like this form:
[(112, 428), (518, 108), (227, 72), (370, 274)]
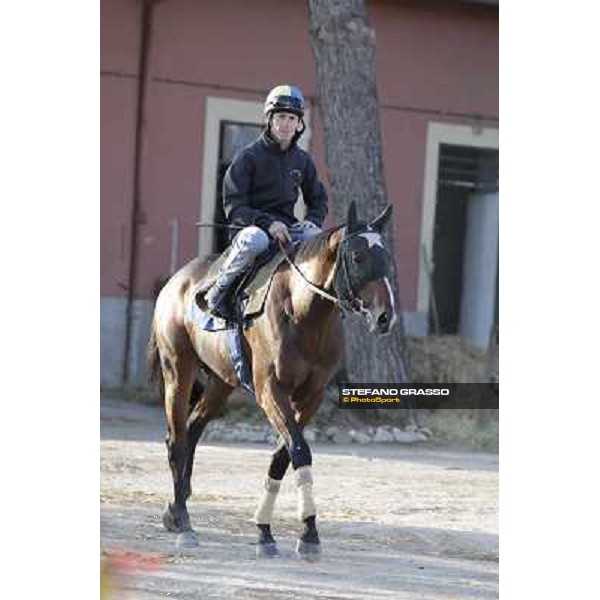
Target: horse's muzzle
[(377, 308)]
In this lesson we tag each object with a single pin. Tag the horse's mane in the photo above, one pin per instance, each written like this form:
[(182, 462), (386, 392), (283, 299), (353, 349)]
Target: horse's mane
[(315, 246)]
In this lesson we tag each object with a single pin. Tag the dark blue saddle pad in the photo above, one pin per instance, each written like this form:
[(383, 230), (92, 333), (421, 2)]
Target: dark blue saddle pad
[(208, 322)]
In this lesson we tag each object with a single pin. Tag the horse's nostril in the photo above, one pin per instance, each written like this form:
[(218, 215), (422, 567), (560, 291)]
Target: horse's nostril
[(383, 320)]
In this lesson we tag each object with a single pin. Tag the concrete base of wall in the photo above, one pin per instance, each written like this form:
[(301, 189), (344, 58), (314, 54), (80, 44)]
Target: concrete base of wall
[(112, 341)]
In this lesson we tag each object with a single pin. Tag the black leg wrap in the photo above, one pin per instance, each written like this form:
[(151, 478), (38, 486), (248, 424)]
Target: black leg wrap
[(279, 462), (299, 449), (300, 452)]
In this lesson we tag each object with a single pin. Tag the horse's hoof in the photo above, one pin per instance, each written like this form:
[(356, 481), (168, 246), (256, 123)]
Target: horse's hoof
[(172, 523), (308, 551), (269, 550), (186, 540), (169, 520)]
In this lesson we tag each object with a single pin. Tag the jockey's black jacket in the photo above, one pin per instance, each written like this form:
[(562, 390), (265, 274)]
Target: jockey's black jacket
[(261, 185)]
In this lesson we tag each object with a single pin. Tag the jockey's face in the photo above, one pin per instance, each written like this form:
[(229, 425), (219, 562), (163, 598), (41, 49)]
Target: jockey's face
[(283, 126)]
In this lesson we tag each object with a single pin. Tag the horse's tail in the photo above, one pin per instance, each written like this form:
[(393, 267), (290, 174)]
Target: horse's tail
[(155, 374)]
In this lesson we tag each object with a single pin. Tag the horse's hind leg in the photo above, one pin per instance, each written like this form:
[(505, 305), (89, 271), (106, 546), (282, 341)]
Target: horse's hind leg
[(179, 372), (208, 404)]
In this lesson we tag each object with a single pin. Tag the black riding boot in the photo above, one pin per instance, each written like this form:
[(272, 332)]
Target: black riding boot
[(219, 302)]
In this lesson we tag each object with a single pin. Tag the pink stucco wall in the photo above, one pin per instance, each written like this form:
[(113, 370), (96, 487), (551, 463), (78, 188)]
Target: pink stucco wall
[(119, 36), (116, 158), (437, 56), (234, 43), (432, 59)]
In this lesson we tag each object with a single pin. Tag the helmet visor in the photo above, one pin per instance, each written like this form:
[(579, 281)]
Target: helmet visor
[(290, 103)]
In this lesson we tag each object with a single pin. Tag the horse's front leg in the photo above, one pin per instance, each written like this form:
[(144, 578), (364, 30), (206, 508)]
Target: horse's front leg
[(308, 545), (280, 462), (276, 402)]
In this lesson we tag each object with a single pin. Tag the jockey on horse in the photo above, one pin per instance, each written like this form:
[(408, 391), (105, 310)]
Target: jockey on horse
[(295, 344), (260, 190)]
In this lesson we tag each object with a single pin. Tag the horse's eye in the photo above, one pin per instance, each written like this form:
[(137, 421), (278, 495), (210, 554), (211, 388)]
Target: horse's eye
[(358, 257)]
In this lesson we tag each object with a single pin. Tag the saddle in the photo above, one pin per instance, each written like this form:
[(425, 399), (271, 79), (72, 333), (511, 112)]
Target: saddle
[(249, 291)]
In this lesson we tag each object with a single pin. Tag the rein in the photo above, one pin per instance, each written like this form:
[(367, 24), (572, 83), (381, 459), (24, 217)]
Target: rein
[(320, 291), (351, 305)]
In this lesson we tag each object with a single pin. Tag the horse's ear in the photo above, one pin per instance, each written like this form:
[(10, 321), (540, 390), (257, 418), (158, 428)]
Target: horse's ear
[(351, 221), (381, 221)]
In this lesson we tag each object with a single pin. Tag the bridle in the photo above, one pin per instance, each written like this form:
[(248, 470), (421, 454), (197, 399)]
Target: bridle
[(346, 298)]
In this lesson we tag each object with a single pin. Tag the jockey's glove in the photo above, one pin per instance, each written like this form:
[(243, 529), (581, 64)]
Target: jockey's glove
[(305, 225)]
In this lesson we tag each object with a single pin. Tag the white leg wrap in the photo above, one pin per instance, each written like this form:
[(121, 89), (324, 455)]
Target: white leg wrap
[(264, 512), (306, 502)]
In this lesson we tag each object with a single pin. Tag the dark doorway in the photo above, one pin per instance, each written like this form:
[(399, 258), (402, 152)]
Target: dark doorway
[(449, 232), (462, 171), (233, 137)]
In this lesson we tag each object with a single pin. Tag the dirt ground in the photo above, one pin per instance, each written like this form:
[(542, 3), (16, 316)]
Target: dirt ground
[(395, 521)]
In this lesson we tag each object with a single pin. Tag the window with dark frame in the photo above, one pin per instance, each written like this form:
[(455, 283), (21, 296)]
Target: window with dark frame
[(233, 136)]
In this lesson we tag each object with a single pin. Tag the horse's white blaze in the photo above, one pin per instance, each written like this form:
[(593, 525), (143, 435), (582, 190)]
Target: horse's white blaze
[(306, 502), (393, 307), (373, 239), (264, 512), (389, 289)]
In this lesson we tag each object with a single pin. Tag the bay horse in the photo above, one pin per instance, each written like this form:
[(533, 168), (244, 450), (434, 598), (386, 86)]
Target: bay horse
[(293, 349)]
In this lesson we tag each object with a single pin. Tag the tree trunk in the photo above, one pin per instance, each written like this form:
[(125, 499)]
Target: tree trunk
[(344, 46)]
